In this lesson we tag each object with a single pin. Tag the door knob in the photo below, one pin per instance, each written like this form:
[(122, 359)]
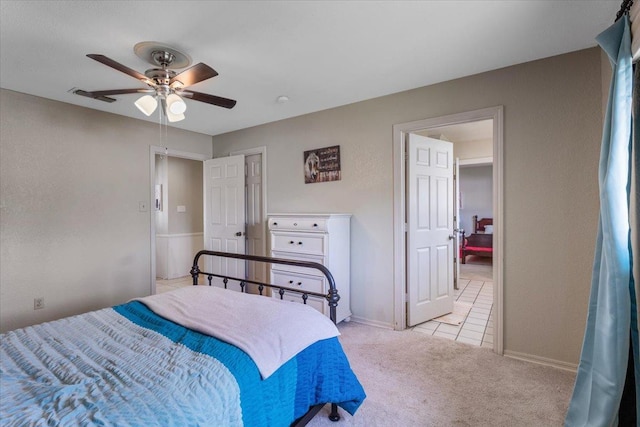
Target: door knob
[(239, 233)]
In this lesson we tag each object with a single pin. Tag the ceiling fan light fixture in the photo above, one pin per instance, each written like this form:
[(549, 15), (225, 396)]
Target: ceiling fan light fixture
[(147, 104), (176, 105), (165, 85)]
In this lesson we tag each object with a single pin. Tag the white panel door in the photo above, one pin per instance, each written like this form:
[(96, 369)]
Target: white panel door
[(429, 228), (224, 216)]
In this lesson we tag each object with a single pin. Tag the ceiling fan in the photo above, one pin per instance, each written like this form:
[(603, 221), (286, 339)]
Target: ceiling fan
[(165, 86)]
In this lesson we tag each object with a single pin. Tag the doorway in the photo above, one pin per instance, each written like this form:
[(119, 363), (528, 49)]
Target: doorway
[(400, 132), (153, 152), (178, 208), (256, 210), (471, 320)]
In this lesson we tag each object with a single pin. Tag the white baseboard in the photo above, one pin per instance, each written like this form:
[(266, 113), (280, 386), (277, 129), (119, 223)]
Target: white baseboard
[(175, 252), (374, 323), (572, 367)]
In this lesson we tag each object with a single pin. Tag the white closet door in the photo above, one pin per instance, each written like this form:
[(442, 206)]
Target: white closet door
[(224, 215)]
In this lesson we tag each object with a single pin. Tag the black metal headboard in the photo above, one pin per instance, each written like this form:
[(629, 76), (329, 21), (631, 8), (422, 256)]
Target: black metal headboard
[(332, 296)]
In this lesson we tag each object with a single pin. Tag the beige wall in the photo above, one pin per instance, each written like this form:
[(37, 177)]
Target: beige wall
[(552, 133), (70, 182), (185, 189)]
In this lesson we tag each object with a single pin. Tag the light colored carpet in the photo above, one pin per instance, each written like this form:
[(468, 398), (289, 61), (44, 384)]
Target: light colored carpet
[(457, 316), (413, 379)]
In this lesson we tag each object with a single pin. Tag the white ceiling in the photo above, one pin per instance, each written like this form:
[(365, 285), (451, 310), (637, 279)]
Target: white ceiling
[(321, 54)]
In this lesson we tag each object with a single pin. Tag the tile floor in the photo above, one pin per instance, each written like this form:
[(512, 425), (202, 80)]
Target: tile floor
[(476, 287)]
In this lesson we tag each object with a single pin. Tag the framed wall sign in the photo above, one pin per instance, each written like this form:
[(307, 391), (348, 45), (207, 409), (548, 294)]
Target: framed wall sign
[(322, 165)]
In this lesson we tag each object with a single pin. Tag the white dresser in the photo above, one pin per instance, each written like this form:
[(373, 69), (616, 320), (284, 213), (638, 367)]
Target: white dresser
[(321, 238)]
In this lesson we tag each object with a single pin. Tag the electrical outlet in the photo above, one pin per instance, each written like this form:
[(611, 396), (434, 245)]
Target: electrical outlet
[(38, 303)]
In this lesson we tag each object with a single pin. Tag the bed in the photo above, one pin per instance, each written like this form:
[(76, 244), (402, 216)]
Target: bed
[(480, 242), (199, 355)]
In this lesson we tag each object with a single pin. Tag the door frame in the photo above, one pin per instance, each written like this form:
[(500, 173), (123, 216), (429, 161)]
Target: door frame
[(399, 211), (169, 152)]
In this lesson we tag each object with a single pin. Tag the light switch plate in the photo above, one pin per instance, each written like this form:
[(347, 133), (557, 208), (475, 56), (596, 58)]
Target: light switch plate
[(182, 208)]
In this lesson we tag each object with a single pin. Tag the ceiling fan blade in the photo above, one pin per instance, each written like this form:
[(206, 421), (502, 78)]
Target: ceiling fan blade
[(92, 95), (193, 75), (209, 99), (117, 66), (103, 95), (120, 92)]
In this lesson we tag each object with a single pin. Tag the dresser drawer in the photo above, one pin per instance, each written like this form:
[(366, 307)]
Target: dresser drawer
[(298, 257), (298, 243), (301, 224), (317, 303), (297, 281)]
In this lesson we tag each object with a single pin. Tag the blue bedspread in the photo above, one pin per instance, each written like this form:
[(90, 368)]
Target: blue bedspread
[(128, 366)]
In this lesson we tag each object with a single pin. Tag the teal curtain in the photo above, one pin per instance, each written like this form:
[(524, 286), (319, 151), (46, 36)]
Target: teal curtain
[(611, 322)]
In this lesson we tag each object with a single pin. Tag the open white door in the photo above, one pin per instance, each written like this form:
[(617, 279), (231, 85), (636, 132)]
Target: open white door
[(429, 228), (224, 215)]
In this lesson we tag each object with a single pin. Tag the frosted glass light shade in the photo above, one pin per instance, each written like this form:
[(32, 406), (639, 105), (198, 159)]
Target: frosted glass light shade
[(175, 104), (147, 104), (174, 117)]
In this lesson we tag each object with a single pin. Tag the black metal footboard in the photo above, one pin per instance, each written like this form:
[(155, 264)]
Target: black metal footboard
[(332, 298)]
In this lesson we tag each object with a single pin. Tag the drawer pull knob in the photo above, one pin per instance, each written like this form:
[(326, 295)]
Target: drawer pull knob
[(275, 223), (291, 281), (315, 225), (299, 243), (299, 283), (291, 242), (295, 224)]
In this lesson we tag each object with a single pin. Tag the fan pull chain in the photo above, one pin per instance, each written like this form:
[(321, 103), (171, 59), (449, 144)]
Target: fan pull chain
[(162, 120)]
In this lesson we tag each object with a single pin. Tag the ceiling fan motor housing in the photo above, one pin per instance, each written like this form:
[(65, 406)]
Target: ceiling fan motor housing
[(160, 76)]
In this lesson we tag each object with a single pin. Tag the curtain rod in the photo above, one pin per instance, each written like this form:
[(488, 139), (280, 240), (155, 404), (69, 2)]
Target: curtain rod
[(624, 9)]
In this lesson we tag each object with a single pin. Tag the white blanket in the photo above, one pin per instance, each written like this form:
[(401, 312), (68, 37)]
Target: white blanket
[(269, 330)]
